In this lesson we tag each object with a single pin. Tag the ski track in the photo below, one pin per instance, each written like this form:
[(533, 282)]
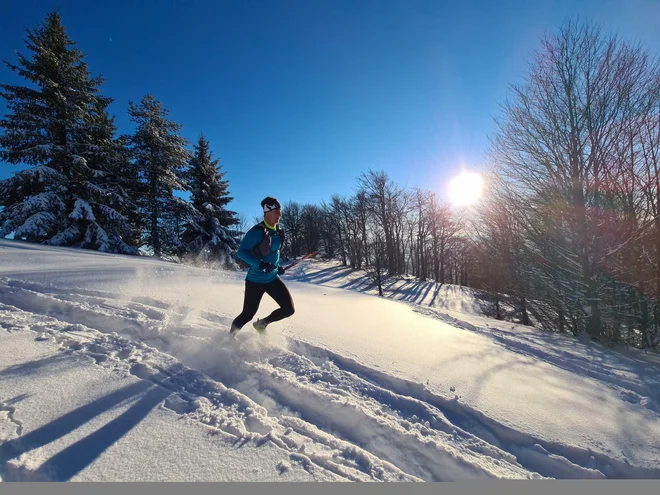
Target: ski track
[(326, 410)]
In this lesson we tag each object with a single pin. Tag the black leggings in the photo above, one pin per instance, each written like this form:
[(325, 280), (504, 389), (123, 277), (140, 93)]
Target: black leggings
[(253, 294)]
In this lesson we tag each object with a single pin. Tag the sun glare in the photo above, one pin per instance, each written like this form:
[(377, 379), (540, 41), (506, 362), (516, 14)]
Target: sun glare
[(465, 188)]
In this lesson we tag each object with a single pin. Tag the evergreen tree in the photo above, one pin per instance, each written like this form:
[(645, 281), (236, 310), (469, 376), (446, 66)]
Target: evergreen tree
[(160, 156), (208, 234), (60, 126), (128, 181)]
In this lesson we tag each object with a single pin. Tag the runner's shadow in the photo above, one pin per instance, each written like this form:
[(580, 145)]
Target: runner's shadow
[(81, 454), (70, 461)]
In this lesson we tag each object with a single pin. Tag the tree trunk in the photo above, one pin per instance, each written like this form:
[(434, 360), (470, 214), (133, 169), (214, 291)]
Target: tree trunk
[(523, 310)]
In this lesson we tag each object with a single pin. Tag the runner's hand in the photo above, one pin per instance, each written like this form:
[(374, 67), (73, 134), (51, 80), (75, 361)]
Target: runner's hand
[(264, 266)]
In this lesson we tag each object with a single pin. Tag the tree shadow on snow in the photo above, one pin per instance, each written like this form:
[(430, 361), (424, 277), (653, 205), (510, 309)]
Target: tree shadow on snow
[(36, 366)]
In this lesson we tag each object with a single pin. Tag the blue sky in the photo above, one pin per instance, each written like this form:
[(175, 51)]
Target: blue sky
[(298, 97)]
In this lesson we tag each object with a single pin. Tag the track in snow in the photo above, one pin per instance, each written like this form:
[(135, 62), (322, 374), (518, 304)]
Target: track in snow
[(328, 411)]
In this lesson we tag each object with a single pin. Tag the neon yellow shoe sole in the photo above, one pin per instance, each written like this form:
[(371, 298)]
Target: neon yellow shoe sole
[(259, 326)]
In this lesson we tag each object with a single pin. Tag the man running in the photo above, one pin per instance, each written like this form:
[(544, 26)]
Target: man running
[(260, 248)]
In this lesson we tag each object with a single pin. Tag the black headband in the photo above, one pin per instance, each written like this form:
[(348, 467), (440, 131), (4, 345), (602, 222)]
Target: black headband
[(272, 207)]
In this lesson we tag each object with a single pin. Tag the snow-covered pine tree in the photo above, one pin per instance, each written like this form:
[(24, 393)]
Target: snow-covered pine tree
[(109, 193), (209, 235), (160, 156), (128, 181), (60, 126)]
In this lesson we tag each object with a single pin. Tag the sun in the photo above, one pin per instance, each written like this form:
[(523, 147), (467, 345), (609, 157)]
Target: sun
[(465, 188)]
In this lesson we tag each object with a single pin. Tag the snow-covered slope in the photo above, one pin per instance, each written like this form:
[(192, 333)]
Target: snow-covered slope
[(120, 368)]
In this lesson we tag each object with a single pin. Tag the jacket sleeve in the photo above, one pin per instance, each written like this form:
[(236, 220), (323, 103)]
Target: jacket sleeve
[(251, 239)]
